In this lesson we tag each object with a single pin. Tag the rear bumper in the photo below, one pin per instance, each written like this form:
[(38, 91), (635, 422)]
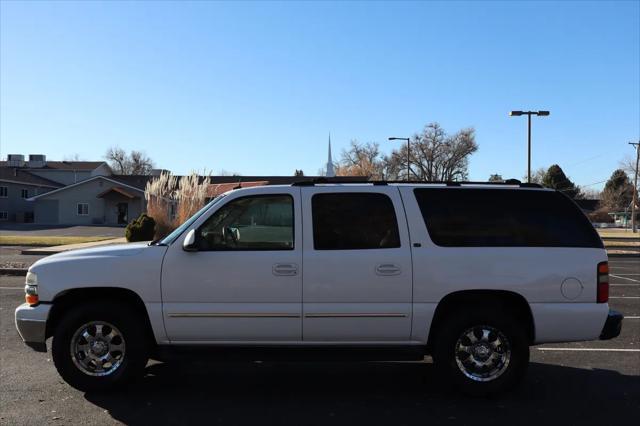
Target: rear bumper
[(612, 326), (31, 322)]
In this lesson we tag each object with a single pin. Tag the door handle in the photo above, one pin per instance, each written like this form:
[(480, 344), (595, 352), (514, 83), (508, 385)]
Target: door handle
[(285, 269), (387, 269)]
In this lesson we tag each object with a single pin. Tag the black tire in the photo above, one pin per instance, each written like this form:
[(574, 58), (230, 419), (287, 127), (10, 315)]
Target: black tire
[(455, 326), (131, 326)]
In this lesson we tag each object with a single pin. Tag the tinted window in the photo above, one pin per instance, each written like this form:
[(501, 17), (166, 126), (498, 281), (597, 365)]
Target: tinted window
[(262, 222), (350, 221), (504, 218)]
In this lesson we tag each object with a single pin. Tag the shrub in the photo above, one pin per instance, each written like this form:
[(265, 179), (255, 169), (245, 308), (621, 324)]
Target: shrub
[(141, 229), (600, 216)]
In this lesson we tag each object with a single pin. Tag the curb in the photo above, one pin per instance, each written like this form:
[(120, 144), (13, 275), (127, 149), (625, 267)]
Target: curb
[(19, 272), (35, 251), (48, 250), (622, 255), (624, 248)]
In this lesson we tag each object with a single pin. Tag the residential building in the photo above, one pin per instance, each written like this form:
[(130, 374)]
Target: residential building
[(16, 187), (23, 180), (98, 200)]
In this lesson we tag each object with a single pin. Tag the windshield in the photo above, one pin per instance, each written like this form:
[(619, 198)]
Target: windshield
[(180, 229)]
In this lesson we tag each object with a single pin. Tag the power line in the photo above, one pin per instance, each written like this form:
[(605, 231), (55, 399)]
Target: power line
[(595, 183), (589, 159)]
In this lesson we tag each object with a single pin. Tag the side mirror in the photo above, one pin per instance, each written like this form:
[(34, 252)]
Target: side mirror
[(189, 242)]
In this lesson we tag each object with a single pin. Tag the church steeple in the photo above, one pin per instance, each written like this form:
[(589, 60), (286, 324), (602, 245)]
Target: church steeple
[(330, 172)]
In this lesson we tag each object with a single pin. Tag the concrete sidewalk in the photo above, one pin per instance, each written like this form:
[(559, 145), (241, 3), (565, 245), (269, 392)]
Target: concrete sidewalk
[(58, 249)]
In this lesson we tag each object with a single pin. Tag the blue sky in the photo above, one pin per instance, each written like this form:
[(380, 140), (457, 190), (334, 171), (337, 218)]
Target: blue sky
[(255, 88)]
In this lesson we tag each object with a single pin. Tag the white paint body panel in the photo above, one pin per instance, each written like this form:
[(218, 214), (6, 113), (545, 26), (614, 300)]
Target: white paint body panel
[(336, 297), (344, 298), (134, 266), (238, 283)]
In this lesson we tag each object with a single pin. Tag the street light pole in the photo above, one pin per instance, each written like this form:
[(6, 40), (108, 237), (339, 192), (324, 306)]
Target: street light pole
[(529, 148), (635, 188), (408, 155), (529, 114)]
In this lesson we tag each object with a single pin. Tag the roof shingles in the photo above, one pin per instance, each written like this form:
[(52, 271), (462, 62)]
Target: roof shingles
[(22, 176), (64, 165)]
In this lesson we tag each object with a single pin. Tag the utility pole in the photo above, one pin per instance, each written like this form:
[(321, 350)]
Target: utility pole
[(635, 188)]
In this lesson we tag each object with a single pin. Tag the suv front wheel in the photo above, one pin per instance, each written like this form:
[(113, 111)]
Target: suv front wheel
[(99, 346), (482, 352)]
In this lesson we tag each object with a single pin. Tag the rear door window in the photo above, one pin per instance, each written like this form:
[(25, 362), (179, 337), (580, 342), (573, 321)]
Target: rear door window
[(466, 217), (354, 221)]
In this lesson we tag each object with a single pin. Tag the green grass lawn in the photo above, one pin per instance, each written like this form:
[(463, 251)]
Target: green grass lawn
[(42, 240)]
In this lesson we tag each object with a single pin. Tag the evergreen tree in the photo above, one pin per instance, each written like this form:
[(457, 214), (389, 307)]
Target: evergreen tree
[(556, 179), (618, 192)]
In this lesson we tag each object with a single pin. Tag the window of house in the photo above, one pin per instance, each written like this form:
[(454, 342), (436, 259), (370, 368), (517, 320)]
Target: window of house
[(83, 209), (263, 222), (354, 221), (4, 192), (24, 193), (4, 215), (466, 217)]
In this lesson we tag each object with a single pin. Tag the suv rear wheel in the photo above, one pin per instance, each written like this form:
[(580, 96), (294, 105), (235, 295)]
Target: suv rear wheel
[(482, 352), (99, 346)]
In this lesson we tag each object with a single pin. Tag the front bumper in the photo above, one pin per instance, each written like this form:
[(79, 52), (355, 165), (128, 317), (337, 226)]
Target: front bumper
[(31, 322), (612, 326)]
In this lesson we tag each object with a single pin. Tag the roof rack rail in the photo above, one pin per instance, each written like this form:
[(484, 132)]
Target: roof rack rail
[(313, 182), (508, 182)]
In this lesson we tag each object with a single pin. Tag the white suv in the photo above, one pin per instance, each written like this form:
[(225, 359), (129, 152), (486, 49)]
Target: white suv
[(471, 274)]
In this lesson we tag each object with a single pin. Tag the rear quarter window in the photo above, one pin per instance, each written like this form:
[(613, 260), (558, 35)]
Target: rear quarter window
[(467, 217)]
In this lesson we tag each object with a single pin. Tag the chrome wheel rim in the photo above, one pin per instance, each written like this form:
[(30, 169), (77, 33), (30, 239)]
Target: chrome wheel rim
[(97, 348), (482, 353)]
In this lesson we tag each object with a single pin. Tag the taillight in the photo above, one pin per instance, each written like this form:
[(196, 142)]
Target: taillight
[(603, 283)]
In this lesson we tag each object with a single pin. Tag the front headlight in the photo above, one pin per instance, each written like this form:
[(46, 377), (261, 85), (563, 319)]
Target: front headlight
[(31, 289), (32, 279)]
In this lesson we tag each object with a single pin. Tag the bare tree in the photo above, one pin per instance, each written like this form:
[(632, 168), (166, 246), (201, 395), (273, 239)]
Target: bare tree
[(590, 193), (628, 164), (224, 172), (435, 155), (72, 157), (362, 160), (140, 163), (537, 176), (135, 163)]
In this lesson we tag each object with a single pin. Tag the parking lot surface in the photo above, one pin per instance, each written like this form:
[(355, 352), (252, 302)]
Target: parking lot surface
[(574, 383)]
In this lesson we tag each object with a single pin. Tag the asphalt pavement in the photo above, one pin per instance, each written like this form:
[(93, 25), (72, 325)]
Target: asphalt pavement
[(571, 383)]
